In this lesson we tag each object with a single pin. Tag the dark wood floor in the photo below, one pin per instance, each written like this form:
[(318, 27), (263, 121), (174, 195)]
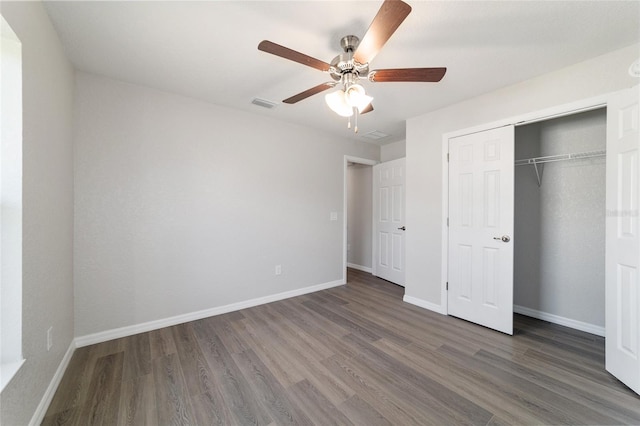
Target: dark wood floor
[(354, 354)]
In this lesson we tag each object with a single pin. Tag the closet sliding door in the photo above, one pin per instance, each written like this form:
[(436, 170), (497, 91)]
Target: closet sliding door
[(622, 264)]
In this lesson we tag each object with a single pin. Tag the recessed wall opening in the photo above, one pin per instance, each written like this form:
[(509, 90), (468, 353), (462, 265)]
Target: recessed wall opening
[(559, 232), (359, 216), (357, 226)]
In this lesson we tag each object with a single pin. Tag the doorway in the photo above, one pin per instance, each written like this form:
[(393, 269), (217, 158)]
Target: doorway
[(559, 233), (359, 216), (362, 166)]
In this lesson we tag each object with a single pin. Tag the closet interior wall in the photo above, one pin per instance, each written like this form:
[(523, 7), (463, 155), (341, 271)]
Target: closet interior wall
[(559, 235)]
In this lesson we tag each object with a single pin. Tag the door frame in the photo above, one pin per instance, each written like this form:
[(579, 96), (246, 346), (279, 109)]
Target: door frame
[(518, 120), (349, 159)]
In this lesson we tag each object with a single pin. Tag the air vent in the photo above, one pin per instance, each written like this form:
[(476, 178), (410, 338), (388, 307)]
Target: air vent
[(375, 135), (264, 103)]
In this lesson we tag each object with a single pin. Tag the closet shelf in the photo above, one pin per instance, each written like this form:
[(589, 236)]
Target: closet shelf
[(561, 157), (553, 158)]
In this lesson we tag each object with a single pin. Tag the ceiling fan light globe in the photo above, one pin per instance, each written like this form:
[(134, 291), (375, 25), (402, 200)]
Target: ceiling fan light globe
[(338, 103), (357, 98), (363, 102), (353, 93)]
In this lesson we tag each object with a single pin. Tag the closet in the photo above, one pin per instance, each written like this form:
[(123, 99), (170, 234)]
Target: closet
[(559, 229)]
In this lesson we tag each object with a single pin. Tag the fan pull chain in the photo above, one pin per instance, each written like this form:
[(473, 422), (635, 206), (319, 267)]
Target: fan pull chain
[(355, 111)]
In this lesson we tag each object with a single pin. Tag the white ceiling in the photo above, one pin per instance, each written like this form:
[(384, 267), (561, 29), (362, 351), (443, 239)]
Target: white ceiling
[(208, 49)]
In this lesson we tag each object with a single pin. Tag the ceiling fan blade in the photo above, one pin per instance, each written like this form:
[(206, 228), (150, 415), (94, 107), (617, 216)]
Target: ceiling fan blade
[(309, 92), (386, 22), (407, 74), (367, 109), (292, 55)]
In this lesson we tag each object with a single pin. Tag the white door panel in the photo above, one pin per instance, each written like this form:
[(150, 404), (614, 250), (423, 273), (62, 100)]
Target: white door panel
[(388, 217), (481, 185), (622, 262)]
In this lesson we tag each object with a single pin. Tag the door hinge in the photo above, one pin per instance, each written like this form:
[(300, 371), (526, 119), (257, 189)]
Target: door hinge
[(447, 221), (447, 285), (447, 157)]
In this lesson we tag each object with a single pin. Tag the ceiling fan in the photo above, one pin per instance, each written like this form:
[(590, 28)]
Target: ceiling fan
[(351, 66)]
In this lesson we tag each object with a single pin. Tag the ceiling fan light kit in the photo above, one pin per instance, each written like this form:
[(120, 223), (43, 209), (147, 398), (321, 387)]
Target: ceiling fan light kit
[(338, 103), (357, 98), (348, 68)]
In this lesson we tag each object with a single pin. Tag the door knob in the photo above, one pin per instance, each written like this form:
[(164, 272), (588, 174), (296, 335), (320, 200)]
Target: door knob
[(403, 228), (504, 238)]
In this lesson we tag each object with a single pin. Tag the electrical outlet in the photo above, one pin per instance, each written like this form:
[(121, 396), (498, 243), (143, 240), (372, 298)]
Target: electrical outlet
[(49, 338), (278, 269)]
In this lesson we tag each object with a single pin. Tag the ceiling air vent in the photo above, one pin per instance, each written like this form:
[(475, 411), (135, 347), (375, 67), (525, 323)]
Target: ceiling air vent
[(264, 103), (375, 135)]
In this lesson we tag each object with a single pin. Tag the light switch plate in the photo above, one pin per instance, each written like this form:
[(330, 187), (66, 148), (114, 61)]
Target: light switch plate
[(333, 216)]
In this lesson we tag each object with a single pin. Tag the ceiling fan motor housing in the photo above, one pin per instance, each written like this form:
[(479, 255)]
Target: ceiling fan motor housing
[(343, 64)]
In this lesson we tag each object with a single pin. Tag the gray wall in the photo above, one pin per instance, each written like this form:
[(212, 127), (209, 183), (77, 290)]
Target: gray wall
[(393, 151), (604, 74), (184, 206), (359, 214), (560, 226), (47, 197)]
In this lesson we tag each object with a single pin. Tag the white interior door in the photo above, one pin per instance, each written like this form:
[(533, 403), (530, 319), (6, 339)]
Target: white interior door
[(481, 205), (388, 220), (622, 277)]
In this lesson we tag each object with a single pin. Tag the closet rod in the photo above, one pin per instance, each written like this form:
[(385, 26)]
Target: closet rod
[(560, 157), (552, 158)]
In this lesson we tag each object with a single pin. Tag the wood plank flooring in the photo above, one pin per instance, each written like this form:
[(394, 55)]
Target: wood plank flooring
[(354, 354)]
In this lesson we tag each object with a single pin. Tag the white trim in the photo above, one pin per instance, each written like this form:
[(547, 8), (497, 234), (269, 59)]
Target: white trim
[(349, 159), (518, 120), (444, 270), (600, 102), (424, 304), (130, 330), (536, 116), (556, 319), (43, 406), (360, 267)]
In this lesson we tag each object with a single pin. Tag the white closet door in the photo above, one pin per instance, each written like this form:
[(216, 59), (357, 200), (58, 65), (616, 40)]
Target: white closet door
[(388, 218), (622, 262), (481, 198)]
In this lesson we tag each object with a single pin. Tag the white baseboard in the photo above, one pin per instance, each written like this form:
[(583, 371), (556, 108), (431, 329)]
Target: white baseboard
[(555, 319), (43, 406), (423, 304), (130, 330), (360, 267)]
